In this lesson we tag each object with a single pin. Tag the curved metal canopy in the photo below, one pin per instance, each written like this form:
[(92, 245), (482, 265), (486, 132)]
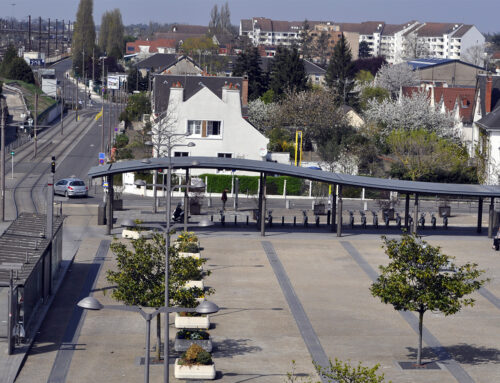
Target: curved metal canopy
[(272, 168)]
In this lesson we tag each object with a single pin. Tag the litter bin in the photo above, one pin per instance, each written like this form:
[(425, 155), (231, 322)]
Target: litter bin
[(101, 213)]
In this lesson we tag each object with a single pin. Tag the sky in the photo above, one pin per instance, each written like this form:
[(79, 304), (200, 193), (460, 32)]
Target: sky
[(484, 14)]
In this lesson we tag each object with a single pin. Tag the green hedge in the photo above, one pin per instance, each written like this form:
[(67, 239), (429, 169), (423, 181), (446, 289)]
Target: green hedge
[(249, 184)]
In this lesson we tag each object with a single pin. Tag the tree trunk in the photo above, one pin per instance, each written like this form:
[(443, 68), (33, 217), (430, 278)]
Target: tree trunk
[(420, 325), (158, 336)]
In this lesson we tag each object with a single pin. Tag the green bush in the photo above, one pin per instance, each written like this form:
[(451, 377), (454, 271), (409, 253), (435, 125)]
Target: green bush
[(249, 184), (204, 358), (121, 141)]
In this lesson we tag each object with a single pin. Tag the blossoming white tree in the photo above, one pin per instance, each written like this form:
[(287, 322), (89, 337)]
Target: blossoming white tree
[(393, 77)]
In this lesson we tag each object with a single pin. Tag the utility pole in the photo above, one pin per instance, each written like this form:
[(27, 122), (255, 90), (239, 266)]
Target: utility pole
[(102, 105), (93, 66), (2, 160), (36, 120), (62, 107), (84, 82), (109, 123), (77, 101), (39, 34), (50, 201), (29, 33), (56, 34), (48, 40)]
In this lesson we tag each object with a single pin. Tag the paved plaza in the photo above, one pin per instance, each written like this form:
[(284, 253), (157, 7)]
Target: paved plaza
[(283, 297)]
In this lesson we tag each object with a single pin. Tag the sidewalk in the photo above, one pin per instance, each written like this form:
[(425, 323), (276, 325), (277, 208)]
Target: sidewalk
[(77, 234)]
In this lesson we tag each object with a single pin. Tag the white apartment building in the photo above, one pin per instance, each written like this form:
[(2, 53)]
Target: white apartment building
[(263, 31), (398, 43)]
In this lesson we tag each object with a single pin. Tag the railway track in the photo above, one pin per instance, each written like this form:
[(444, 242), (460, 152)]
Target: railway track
[(27, 193)]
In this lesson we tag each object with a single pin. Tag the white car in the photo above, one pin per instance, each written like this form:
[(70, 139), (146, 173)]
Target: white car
[(71, 187)]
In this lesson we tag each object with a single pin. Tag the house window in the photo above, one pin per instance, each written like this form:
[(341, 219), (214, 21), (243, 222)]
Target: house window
[(181, 154), (224, 155), (213, 128), (194, 128)]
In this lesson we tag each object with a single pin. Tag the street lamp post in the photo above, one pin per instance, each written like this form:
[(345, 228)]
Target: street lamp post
[(205, 307)]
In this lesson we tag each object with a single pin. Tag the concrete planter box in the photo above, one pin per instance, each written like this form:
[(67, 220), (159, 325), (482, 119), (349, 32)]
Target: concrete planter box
[(194, 372), (132, 234), (192, 322), (194, 255), (182, 345), (198, 284)]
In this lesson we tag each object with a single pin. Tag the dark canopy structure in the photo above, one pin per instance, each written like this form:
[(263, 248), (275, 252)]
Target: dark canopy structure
[(272, 168)]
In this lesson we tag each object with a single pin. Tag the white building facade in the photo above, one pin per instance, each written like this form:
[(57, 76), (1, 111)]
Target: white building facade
[(209, 111)]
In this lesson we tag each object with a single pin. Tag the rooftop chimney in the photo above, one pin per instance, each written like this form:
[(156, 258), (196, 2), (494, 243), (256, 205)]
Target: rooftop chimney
[(244, 91), (487, 96)]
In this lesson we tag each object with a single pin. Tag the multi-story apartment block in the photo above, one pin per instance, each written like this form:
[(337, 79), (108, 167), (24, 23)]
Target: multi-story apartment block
[(411, 40), (396, 42), (263, 31)]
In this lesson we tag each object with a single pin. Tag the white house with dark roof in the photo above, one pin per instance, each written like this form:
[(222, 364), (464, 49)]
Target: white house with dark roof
[(210, 110)]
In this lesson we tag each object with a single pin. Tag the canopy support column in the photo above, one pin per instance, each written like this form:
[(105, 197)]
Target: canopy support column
[(491, 217), (263, 206), (109, 206), (339, 213), (334, 208), (415, 218), (407, 210), (479, 214)]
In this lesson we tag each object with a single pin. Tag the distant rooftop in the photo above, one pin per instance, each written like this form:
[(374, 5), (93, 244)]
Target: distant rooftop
[(422, 63)]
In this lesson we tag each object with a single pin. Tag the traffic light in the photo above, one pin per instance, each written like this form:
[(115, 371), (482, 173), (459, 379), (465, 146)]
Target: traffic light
[(53, 164)]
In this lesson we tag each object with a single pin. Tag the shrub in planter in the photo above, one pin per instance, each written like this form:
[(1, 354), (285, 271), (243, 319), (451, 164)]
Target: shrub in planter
[(195, 355), (187, 236), (193, 334), (189, 247)]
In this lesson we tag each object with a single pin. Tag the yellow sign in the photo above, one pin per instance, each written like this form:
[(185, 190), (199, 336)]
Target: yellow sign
[(298, 147)]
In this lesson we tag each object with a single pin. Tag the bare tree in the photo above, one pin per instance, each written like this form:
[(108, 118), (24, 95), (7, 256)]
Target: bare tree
[(475, 55), (415, 47)]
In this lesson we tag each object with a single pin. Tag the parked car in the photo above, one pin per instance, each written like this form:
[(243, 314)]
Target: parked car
[(71, 187)]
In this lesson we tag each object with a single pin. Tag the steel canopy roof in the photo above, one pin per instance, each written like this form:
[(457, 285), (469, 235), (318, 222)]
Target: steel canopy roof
[(272, 168)]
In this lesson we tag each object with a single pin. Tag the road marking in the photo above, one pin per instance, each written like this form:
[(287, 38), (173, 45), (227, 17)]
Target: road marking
[(445, 358), (309, 336)]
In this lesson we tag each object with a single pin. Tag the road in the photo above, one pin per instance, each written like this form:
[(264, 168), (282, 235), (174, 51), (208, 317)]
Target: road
[(76, 149)]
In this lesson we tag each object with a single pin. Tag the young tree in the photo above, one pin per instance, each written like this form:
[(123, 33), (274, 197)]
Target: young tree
[(287, 73), (420, 278), (248, 63), (409, 113), (364, 50), (306, 41), (343, 372), (421, 155), (394, 77), (340, 74), (18, 69), (321, 48), (83, 37), (372, 93), (140, 276), (9, 56)]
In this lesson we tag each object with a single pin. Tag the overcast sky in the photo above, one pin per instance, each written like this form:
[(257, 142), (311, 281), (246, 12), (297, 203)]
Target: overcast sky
[(482, 13)]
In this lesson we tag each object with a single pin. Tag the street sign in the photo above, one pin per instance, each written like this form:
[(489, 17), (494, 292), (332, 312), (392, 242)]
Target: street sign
[(102, 157), (105, 184)]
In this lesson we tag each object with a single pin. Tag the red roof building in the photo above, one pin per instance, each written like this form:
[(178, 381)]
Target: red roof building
[(151, 46)]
